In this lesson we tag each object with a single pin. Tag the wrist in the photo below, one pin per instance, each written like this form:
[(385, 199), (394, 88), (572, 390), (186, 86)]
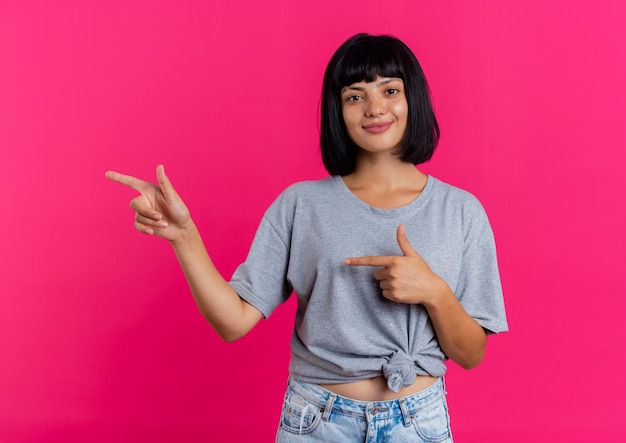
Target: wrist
[(188, 232), (439, 293)]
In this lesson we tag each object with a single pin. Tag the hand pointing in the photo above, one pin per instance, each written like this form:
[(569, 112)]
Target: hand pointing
[(403, 278), (159, 209)]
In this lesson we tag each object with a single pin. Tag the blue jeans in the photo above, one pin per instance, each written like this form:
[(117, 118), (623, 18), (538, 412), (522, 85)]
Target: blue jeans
[(313, 414)]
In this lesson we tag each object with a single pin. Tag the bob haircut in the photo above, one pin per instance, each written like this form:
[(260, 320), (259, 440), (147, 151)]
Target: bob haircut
[(365, 57)]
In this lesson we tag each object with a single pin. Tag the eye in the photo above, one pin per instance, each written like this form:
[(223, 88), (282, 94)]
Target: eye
[(392, 91), (353, 98)]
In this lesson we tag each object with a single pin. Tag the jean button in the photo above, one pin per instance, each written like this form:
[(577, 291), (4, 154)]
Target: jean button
[(374, 410)]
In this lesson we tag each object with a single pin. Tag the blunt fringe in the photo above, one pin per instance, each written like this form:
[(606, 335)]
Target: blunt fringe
[(365, 57)]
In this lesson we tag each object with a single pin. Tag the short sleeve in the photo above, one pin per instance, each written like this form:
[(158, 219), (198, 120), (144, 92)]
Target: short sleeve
[(479, 288), (262, 279)]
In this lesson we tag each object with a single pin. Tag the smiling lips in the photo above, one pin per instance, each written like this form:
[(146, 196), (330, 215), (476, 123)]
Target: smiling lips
[(377, 128)]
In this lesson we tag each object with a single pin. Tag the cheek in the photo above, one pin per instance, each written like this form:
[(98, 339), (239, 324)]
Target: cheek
[(346, 115), (350, 121), (401, 110)]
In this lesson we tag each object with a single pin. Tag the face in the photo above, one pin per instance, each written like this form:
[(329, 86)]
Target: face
[(376, 114)]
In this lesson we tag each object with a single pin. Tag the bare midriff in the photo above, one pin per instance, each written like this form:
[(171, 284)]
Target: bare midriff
[(376, 389)]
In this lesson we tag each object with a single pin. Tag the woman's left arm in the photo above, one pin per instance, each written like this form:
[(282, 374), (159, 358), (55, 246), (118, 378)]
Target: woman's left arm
[(461, 338), (408, 279)]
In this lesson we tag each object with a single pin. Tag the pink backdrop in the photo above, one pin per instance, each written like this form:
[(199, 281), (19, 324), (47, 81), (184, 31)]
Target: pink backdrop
[(100, 340)]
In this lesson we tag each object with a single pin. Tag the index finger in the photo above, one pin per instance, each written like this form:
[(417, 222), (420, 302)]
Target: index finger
[(127, 180), (370, 260)]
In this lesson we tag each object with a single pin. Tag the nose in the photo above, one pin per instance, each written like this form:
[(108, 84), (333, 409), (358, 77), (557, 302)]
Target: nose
[(376, 107)]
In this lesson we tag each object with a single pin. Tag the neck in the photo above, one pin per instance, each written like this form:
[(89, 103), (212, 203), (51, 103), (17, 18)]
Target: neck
[(385, 174), (386, 186)]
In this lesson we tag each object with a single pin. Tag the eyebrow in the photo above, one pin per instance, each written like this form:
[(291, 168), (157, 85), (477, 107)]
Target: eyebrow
[(380, 83)]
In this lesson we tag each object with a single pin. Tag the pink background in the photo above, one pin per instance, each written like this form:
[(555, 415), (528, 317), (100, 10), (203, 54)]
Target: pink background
[(100, 340)]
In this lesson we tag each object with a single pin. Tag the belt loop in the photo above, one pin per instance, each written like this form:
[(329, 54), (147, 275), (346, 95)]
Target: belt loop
[(405, 412), (328, 407)]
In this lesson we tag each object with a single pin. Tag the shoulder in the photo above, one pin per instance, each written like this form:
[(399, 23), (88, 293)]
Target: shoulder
[(445, 190), (454, 196), (310, 186), (304, 193), (309, 189)]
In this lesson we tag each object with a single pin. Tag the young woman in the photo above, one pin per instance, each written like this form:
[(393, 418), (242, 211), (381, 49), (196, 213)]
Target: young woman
[(394, 271)]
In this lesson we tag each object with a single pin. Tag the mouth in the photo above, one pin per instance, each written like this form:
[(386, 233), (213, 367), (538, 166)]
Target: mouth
[(377, 128)]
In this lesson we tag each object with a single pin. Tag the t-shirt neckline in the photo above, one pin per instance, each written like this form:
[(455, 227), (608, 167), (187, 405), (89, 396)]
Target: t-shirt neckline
[(414, 205)]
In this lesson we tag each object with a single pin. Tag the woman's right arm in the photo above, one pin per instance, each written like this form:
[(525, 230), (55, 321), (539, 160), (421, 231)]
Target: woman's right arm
[(160, 211)]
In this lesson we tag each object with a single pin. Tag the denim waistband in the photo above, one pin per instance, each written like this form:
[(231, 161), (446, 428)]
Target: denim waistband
[(329, 402)]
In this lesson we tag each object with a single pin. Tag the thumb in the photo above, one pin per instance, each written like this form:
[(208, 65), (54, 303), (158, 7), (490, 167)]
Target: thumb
[(164, 183), (404, 244)]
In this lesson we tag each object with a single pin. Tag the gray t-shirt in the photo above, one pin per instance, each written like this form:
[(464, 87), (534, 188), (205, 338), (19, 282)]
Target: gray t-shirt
[(345, 330)]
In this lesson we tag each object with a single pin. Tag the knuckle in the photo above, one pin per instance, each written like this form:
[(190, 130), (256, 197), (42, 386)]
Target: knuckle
[(134, 203)]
